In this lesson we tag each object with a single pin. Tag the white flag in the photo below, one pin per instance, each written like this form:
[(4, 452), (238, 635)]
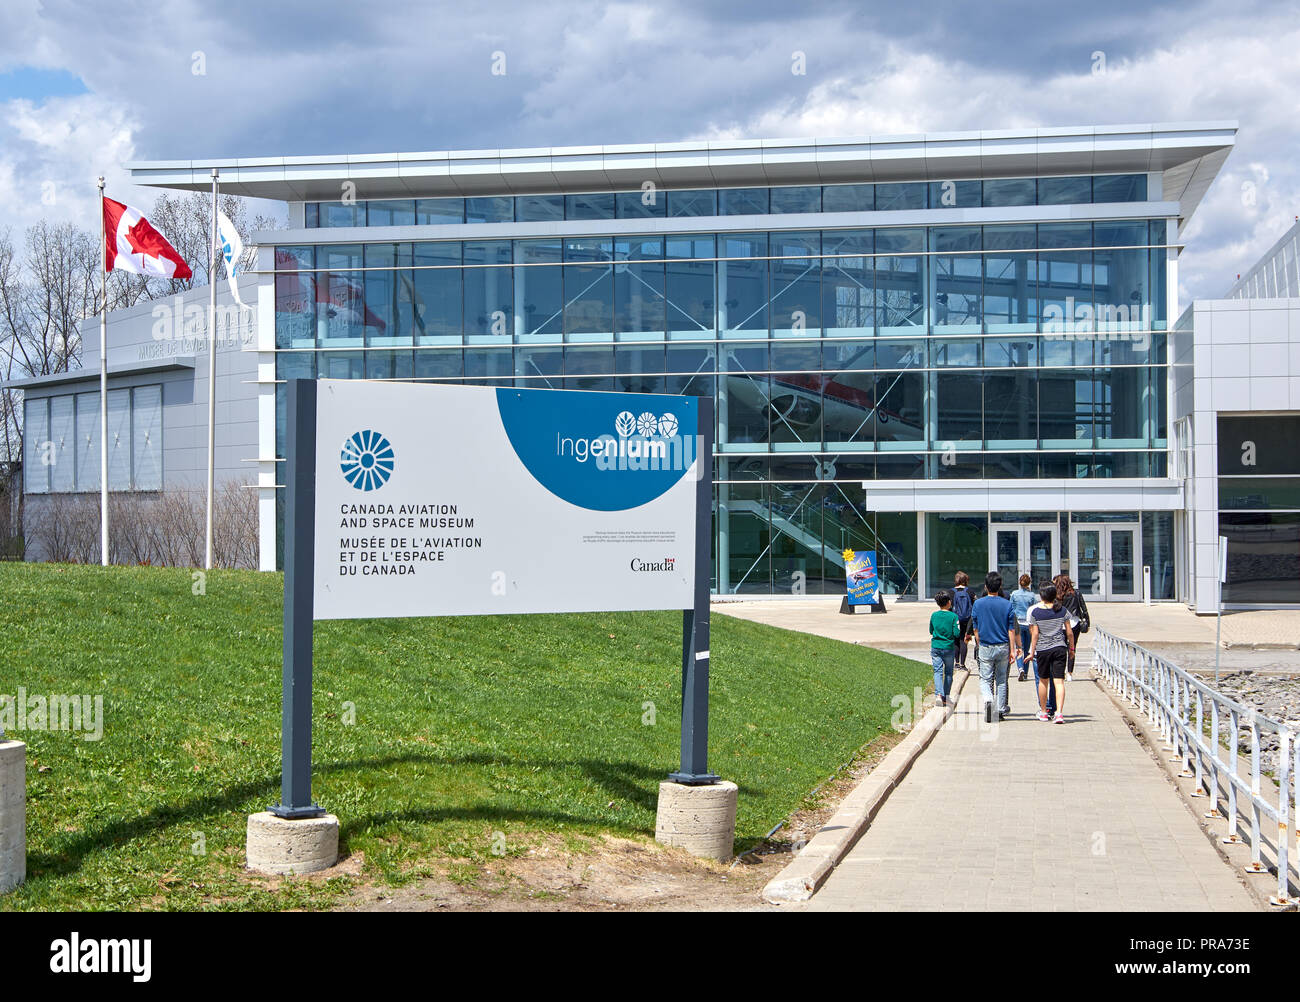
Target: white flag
[(232, 249)]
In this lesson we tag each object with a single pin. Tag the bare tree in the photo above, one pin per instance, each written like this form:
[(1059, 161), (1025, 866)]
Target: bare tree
[(55, 283)]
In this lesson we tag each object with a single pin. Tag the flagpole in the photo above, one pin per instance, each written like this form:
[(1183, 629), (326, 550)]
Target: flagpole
[(212, 370), (103, 382)]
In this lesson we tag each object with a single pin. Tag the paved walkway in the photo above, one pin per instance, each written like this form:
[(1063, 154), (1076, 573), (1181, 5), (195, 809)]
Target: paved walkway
[(1025, 815), (904, 626)]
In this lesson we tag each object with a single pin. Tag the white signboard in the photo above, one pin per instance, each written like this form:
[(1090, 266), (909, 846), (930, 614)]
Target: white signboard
[(460, 500)]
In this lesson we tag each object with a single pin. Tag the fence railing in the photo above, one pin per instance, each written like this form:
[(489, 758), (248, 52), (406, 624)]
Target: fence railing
[(1178, 705)]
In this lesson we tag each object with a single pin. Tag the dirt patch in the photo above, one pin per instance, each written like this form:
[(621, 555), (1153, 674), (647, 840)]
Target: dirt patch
[(608, 873)]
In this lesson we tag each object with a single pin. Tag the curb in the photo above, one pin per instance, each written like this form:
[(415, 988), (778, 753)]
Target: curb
[(802, 877)]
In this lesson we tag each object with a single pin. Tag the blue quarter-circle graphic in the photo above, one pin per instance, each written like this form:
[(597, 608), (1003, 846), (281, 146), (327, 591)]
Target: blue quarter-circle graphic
[(367, 460), (550, 429)]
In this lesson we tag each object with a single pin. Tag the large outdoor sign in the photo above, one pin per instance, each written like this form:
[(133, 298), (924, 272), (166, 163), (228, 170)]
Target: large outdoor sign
[(462, 500), (411, 499)]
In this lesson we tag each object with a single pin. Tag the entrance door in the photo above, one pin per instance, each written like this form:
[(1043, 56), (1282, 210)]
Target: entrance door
[(1105, 559), (1024, 548)]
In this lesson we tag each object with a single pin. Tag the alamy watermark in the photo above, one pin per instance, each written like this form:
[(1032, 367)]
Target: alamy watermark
[(1102, 322), (82, 714)]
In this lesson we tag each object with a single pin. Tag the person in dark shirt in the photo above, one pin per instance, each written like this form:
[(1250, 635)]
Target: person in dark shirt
[(961, 606)]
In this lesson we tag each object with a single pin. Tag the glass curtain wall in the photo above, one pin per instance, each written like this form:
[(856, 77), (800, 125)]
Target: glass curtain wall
[(834, 356)]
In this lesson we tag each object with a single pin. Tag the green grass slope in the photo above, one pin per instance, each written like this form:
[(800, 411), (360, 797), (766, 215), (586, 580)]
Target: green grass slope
[(430, 735)]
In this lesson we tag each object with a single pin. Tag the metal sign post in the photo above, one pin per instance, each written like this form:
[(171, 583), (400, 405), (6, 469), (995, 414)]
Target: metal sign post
[(694, 769), (299, 570)]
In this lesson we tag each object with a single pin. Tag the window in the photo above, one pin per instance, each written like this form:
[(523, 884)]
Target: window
[(1119, 188), (639, 304), (439, 211), (796, 199), (36, 445), (437, 293), (588, 289), (599, 205), (62, 447), (1010, 191), (492, 209), (391, 212), (146, 438), (539, 295), (703, 202), (645, 204), (742, 284), (905, 195), (849, 198), (954, 194), (743, 201), (1064, 190), (61, 441), (87, 441), (488, 289), (539, 208)]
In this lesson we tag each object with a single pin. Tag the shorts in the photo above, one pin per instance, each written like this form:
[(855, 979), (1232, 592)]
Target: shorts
[(1051, 663)]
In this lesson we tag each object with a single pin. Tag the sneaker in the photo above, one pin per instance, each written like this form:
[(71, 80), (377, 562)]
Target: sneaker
[(1058, 719), (988, 713), (1043, 716), (1002, 714), (1023, 676)]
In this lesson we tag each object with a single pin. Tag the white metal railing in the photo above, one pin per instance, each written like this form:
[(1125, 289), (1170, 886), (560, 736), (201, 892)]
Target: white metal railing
[(1176, 703)]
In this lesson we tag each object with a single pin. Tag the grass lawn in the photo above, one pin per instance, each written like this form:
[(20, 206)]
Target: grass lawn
[(461, 728)]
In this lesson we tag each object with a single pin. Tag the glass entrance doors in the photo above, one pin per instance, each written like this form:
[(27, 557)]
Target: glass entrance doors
[(1105, 558), (1024, 548)]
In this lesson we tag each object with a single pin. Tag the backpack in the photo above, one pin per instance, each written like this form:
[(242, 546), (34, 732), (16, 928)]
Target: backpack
[(961, 602)]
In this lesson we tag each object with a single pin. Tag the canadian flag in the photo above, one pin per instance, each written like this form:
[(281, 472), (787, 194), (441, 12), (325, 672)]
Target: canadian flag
[(132, 244)]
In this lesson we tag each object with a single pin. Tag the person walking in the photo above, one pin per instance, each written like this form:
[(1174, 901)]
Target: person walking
[(945, 628), (1076, 608), (997, 641), (1051, 643), (1022, 599), (962, 603)]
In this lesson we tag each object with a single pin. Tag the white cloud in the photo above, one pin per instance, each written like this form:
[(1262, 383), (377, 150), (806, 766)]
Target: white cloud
[(53, 152), (311, 77)]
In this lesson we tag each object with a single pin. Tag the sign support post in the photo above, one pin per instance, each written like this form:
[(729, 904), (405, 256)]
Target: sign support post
[(694, 769), (299, 575), (296, 835), (697, 809)]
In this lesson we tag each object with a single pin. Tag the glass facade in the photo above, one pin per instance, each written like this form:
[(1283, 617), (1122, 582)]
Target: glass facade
[(834, 356), (650, 202)]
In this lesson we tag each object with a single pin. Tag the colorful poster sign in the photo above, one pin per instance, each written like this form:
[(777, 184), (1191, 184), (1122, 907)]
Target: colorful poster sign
[(860, 576)]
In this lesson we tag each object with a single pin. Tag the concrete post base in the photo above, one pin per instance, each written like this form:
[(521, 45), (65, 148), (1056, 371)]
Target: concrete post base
[(277, 846), (699, 819), (13, 814)]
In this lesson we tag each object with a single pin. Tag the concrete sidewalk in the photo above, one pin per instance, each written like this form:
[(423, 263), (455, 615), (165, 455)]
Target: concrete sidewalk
[(904, 626), (1025, 815)]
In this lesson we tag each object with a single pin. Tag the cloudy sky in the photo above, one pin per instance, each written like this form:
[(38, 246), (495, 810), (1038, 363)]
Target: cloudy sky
[(86, 85)]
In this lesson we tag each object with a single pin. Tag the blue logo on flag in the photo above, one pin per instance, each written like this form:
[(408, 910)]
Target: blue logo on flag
[(367, 460)]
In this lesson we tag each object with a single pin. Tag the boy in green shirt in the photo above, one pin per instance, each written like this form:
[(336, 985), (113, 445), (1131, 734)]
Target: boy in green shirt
[(945, 628)]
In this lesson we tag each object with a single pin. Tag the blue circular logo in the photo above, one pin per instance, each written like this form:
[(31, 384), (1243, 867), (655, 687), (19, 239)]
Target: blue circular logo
[(367, 460)]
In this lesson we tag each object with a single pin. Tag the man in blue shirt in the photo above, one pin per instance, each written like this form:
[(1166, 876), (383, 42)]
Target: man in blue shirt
[(998, 638)]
